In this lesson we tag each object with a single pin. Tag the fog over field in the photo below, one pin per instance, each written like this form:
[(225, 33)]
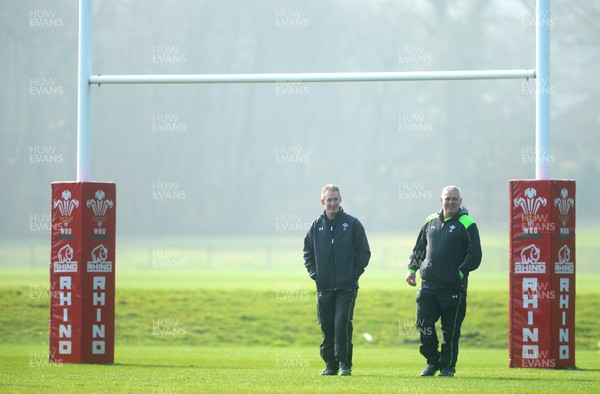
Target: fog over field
[(250, 159)]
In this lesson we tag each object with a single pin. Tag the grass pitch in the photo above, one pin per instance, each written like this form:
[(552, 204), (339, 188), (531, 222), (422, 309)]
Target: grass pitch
[(198, 369), (215, 319), (211, 339)]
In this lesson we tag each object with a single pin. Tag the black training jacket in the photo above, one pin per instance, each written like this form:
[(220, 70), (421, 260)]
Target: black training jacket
[(446, 251), (337, 252)]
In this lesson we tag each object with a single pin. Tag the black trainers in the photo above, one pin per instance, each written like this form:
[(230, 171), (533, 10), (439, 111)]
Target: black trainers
[(430, 370), (329, 372), (446, 372), (345, 370)]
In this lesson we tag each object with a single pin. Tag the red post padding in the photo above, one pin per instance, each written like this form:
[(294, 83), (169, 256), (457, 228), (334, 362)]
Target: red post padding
[(82, 272), (542, 274)]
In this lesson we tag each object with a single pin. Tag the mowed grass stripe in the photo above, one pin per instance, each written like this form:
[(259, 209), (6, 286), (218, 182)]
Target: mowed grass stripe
[(283, 316), (38, 280)]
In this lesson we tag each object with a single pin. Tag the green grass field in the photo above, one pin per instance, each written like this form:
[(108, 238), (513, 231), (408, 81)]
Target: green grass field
[(198, 369), (204, 318)]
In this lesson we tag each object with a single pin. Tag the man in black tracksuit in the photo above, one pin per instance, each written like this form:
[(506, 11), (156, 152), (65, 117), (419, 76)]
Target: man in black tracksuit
[(447, 249), (336, 253)]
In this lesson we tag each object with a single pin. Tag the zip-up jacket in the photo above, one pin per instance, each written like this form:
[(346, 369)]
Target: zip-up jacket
[(336, 252), (446, 251)]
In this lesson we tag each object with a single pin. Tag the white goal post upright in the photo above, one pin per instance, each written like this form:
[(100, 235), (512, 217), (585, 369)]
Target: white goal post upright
[(542, 90), (84, 94)]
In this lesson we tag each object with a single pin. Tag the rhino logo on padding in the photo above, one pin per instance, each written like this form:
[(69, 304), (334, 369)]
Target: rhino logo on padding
[(99, 254)]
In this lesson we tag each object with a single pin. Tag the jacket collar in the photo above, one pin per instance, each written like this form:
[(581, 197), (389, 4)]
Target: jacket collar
[(461, 211)]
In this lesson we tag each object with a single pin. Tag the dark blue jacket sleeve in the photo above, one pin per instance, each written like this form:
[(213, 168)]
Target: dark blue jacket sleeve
[(362, 251), (419, 251), (474, 254), (309, 254)]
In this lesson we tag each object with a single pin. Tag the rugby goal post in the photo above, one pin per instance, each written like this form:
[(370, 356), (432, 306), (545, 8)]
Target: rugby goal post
[(80, 330)]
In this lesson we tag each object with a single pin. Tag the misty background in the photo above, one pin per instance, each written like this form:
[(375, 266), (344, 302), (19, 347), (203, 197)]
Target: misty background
[(250, 159)]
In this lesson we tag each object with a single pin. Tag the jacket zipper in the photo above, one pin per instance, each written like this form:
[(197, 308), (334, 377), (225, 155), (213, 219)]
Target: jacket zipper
[(333, 256)]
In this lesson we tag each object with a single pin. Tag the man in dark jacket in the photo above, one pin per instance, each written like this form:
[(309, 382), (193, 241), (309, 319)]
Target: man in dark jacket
[(336, 253), (447, 249)]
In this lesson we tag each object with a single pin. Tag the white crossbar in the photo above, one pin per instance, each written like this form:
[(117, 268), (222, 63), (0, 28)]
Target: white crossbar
[(312, 77)]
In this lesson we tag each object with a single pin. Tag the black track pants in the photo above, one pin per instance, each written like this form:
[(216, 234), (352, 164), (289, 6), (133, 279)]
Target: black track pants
[(450, 306), (335, 310)]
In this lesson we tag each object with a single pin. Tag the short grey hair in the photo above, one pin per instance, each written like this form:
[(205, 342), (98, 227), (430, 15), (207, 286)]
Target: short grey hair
[(330, 188), (452, 188)]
